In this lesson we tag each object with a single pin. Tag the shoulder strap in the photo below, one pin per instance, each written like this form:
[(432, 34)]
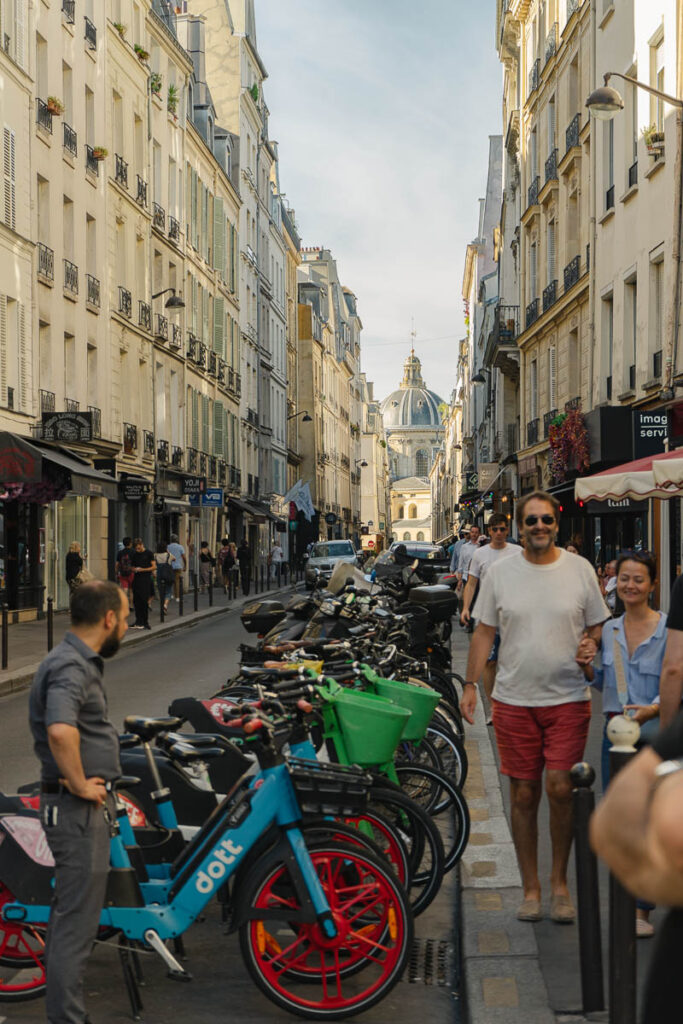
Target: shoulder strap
[(619, 670)]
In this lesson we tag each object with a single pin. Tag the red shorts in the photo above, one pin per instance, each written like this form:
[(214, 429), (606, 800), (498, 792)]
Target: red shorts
[(533, 738)]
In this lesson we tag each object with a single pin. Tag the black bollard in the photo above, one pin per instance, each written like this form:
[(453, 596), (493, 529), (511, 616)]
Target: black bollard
[(279, 574), (261, 575), (50, 623), (162, 602), (210, 592), (268, 577), (590, 941), (622, 911), (181, 594), (196, 593), (5, 635)]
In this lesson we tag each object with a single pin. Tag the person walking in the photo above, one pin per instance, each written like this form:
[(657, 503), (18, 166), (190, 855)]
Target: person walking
[(164, 574), (206, 564), (143, 567), (225, 562), (457, 548), (276, 558), (178, 563), (610, 585), (124, 565), (74, 564), (78, 750), (244, 560), (543, 603), (671, 685)]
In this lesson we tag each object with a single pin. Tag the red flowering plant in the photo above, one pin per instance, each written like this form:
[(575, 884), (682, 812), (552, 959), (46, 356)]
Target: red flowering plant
[(569, 449)]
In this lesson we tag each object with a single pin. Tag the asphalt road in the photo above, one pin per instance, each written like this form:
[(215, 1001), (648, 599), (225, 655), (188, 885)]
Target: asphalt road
[(144, 680)]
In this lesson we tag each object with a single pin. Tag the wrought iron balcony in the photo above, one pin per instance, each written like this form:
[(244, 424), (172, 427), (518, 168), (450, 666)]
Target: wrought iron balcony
[(92, 290), (202, 353), (173, 229), (203, 463), (177, 456), (148, 442), (90, 34), (121, 171), (573, 403), (125, 302), (46, 261), (70, 277), (551, 167), (252, 417), (162, 327), (549, 295), (548, 418), (222, 372), (222, 472), (96, 419), (511, 438), (534, 76), (43, 116), (532, 432), (534, 189), (158, 217), (91, 164), (571, 273), (231, 379), (192, 460), (130, 438), (213, 364), (176, 339), (47, 401), (71, 405), (70, 139), (213, 467), (141, 196), (633, 174), (508, 323), (551, 43), (145, 315), (163, 453), (531, 313), (571, 135), (192, 346), (238, 384), (69, 11)]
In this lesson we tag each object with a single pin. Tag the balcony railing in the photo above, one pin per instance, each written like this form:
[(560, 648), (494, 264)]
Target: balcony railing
[(551, 43), (158, 217), (176, 339), (213, 364), (551, 167), (130, 438), (534, 76), (222, 472), (141, 196), (549, 295), (46, 261), (548, 418), (91, 164), (47, 401), (173, 229), (90, 34), (177, 456), (162, 327), (508, 323), (163, 451), (532, 432), (571, 136), (202, 355), (71, 405), (125, 302), (511, 438), (145, 315), (69, 11), (70, 277), (96, 420), (121, 171), (531, 313), (213, 467), (192, 460), (148, 442), (252, 417), (70, 139), (92, 290), (43, 116), (633, 174), (222, 372), (571, 273), (573, 403), (609, 198), (203, 463), (534, 189), (192, 346)]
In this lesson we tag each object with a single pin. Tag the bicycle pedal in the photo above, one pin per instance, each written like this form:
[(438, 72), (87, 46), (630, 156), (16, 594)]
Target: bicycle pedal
[(179, 976)]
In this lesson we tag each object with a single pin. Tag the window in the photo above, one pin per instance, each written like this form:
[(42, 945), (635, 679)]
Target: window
[(533, 271), (406, 535), (657, 80), (400, 514), (9, 179), (630, 332), (656, 316), (551, 125), (552, 379), (573, 365), (422, 463), (420, 535), (412, 512), (533, 390), (550, 254), (609, 164), (608, 343)]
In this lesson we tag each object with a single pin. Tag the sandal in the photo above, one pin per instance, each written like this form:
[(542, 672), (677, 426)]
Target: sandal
[(529, 910), (644, 930)]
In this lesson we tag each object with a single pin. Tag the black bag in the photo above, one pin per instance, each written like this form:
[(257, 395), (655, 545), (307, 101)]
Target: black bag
[(164, 572)]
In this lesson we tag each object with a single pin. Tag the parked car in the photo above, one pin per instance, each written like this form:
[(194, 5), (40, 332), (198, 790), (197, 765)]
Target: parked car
[(325, 556), (434, 554), (432, 558)]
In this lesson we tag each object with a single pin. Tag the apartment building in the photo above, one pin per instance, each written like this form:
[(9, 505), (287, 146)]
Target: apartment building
[(294, 413), (374, 476)]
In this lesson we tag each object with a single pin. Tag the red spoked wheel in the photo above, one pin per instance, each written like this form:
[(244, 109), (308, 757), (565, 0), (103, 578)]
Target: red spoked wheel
[(379, 830), (22, 948), (308, 973)]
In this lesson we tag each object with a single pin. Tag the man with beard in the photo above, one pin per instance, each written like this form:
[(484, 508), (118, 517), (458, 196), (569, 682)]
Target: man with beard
[(78, 749), (544, 603)]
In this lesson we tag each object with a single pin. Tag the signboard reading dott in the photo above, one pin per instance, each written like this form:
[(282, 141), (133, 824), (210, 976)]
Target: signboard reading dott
[(67, 426)]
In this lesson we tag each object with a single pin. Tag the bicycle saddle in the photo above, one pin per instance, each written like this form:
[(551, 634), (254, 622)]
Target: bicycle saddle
[(187, 753), (147, 728)]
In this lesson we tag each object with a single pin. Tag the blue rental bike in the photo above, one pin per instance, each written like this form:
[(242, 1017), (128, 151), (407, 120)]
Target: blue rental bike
[(325, 928)]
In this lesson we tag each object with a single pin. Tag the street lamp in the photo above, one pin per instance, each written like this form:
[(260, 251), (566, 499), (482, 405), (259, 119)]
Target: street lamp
[(604, 103), (174, 302), (307, 418), (361, 462), (479, 377)]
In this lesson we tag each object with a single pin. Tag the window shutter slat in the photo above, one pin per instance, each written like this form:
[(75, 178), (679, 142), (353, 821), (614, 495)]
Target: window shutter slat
[(3, 350), (24, 367), (218, 235), (219, 325)]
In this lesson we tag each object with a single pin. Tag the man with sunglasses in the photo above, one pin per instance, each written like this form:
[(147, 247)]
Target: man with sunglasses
[(543, 603)]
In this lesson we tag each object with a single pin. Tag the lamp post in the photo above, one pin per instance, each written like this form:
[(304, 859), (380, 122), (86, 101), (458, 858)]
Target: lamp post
[(174, 302), (307, 418), (604, 103)]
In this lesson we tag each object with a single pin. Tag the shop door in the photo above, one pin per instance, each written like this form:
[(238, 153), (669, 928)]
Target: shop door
[(67, 521)]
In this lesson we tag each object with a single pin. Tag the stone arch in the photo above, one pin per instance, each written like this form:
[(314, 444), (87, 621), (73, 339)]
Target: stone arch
[(412, 511), (420, 535), (406, 535)]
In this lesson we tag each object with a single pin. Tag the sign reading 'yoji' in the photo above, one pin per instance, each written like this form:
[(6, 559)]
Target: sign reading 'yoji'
[(67, 426)]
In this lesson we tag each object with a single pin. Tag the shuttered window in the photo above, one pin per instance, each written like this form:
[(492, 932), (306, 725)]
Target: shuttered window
[(24, 366), (195, 317), (205, 316), (20, 32), (552, 378), (205, 223), (3, 350), (219, 326), (533, 292), (551, 252), (9, 178), (195, 419), (205, 423), (218, 236), (218, 429), (194, 225), (533, 388)]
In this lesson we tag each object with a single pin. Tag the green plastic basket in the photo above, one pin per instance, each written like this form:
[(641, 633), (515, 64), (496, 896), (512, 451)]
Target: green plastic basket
[(421, 703), (371, 726)]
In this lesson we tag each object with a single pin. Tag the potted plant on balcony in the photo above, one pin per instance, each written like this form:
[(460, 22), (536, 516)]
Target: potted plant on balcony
[(141, 53), (99, 152), (55, 106), (172, 100), (120, 28), (654, 139), (155, 82)]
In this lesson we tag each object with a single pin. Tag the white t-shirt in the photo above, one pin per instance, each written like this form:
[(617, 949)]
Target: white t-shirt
[(466, 553), (541, 612), (484, 558)]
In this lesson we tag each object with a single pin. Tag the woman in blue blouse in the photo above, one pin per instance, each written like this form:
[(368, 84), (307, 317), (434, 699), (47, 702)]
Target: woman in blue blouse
[(640, 634)]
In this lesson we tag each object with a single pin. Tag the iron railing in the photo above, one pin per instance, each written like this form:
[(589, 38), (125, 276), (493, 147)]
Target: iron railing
[(551, 43), (534, 76), (96, 420), (162, 327), (148, 442), (47, 401), (571, 135), (91, 164), (192, 460), (571, 273), (213, 467), (90, 34), (192, 346), (201, 355), (177, 456), (69, 11), (548, 418), (125, 302), (141, 196), (551, 167), (176, 339), (71, 277), (163, 451), (203, 463), (213, 364), (92, 290), (508, 323), (534, 189), (173, 229), (145, 315), (572, 404), (70, 139), (71, 405), (511, 438), (532, 432), (531, 313), (43, 115), (130, 438), (46, 261), (549, 295), (121, 171), (158, 217)]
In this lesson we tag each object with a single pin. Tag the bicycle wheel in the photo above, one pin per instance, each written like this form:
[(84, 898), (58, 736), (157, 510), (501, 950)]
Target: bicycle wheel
[(22, 948), (374, 927), (442, 800), (450, 751)]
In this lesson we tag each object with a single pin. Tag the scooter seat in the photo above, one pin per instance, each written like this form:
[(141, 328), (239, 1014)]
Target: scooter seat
[(148, 728), (185, 752)]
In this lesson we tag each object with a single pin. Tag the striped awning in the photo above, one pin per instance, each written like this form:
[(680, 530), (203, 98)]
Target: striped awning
[(656, 476)]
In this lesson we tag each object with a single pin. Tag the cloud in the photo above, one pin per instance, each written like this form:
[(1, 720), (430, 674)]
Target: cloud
[(382, 110)]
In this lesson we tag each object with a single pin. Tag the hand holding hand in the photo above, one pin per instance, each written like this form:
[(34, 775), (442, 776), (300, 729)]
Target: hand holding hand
[(586, 651)]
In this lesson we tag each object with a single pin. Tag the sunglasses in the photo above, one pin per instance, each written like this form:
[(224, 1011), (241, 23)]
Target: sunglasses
[(498, 529), (547, 520)]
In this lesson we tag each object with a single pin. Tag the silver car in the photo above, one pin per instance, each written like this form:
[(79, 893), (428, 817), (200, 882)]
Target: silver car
[(325, 556)]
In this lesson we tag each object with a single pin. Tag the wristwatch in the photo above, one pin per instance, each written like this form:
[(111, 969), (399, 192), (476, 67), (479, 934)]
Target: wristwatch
[(468, 682), (666, 768)]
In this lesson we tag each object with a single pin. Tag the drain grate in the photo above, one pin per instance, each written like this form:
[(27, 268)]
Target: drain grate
[(429, 963)]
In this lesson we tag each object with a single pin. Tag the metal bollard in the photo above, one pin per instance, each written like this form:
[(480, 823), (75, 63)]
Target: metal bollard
[(162, 602), (50, 623), (279, 574), (624, 733), (261, 575), (181, 593), (267, 577), (5, 635), (196, 593), (210, 592), (590, 941)]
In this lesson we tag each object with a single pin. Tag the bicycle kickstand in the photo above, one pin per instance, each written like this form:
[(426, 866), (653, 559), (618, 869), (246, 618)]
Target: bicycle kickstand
[(126, 956)]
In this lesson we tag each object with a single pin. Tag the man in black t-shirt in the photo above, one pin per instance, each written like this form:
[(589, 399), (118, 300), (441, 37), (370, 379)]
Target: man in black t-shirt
[(671, 681)]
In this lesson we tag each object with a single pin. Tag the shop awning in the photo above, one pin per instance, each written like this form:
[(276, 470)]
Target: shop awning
[(84, 478), (241, 505), (635, 480), (27, 466), (20, 462), (669, 473)]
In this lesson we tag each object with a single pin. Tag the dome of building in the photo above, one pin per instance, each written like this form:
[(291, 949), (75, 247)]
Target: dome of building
[(412, 405)]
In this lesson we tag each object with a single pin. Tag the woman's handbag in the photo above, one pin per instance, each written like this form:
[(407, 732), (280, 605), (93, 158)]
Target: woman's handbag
[(649, 729), (83, 576), (165, 571)]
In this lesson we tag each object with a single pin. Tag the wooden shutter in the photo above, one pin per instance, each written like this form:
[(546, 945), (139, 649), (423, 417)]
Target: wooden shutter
[(551, 127), (3, 350), (188, 202), (24, 367), (219, 325), (194, 239), (193, 289), (204, 240), (532, 273), (9, 178), (218, 236), (205, 316), (552, 378), (218, 426), (234, 242), (20, 32), (205, 423), (195, 418), (551, 252)]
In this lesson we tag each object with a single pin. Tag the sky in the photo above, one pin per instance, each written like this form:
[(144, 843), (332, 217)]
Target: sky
[(382, 110)]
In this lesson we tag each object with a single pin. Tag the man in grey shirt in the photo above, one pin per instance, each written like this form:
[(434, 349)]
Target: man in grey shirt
[(78, 749), (178, 563)]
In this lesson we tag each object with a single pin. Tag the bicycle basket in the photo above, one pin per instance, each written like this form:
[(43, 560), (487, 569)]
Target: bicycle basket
[(329, 789), (371, 726), (420, 701)]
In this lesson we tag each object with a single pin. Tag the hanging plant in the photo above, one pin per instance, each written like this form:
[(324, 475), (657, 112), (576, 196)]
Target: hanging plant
[(141, 52), (155, 82), (569, 449)]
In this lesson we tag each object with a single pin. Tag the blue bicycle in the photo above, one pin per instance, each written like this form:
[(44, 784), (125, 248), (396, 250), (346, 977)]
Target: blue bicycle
[(325, 930)]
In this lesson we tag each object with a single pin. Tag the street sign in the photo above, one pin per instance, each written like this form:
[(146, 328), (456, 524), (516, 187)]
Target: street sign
[(134, 490), (472, 481), (67, 426), (330, 518), (213, 497), (488, 471)]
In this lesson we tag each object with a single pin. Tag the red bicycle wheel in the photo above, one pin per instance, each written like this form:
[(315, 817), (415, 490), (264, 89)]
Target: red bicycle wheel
[(302, 970), (383, 835), (22, 947)]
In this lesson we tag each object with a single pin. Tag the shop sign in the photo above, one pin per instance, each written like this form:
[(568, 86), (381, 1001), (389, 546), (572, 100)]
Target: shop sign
[(650, 432), (67, 426), (194, 484), (472, 481), (135, 490), (614, 506), (331, 518), (488, 471), (212, 497), (281, 527)]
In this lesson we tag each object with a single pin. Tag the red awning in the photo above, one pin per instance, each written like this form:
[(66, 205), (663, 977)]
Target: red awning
[(635, 480)]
